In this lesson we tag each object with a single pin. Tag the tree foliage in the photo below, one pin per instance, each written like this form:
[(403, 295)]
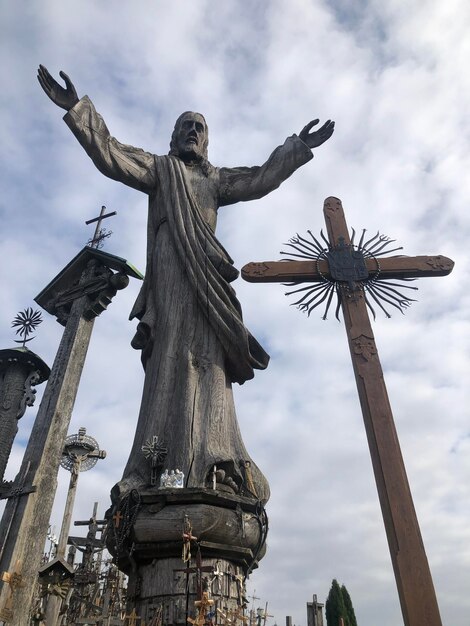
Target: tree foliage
[(348, 606), (339, 605), (334, 608)]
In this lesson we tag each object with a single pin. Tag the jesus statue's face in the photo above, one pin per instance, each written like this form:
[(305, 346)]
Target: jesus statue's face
[(191, 137)]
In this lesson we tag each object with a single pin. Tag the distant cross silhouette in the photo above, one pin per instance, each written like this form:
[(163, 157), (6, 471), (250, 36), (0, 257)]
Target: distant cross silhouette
[(100, 233), (413, 577)]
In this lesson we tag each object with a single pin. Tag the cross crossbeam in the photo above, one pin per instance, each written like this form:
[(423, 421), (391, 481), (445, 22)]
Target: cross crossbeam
[(400, 268)]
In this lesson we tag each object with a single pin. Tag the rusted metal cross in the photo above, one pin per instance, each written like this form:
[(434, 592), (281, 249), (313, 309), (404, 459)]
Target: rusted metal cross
[(413, 577)]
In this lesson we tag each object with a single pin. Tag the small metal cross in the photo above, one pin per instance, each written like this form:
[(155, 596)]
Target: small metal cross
[(100, 233)]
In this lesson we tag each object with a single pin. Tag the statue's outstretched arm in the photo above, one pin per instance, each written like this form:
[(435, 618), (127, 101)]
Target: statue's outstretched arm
[(63, 98), (129, 165), (249, 183)]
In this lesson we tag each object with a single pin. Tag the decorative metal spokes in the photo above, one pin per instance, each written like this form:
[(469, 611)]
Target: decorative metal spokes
[(80, 447), (97, 241), (26, 321), (350, 270), (155, 451)]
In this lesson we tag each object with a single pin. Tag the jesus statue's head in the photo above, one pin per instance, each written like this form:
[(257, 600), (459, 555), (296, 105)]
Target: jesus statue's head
[(190, 137)]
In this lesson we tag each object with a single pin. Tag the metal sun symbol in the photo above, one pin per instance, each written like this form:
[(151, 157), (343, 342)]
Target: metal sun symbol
[(26, 321), (155, 450), (382, 291), (77, 446)]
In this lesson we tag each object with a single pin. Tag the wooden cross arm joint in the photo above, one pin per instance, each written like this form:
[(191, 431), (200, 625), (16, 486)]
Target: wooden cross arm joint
[(398, 267)]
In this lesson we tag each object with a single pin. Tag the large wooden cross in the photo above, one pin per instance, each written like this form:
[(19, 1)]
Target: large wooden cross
[(415, 586)]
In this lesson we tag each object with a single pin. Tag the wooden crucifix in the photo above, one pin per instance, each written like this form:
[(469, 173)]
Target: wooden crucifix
[(413, 577)]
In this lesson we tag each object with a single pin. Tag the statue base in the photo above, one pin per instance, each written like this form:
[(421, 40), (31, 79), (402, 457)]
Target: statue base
[(176, 543)]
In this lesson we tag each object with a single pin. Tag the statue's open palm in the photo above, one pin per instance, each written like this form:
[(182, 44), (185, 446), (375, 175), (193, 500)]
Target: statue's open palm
[(64, 98), (315, 139)]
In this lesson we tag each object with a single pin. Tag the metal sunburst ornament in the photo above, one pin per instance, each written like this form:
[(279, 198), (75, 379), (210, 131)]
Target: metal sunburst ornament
[(155, 451), (26, 321), (348, 265)]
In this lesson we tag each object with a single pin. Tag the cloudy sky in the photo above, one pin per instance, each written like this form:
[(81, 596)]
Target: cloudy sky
[(394, 76)]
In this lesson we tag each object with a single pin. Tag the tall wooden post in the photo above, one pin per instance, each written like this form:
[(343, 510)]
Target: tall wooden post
[(410, 564), (76, 296)]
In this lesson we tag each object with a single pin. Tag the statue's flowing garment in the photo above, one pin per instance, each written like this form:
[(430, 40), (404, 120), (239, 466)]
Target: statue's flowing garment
[(191, 333)]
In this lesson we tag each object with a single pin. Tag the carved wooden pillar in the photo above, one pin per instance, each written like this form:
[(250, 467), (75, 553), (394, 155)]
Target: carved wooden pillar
[(20, 371)]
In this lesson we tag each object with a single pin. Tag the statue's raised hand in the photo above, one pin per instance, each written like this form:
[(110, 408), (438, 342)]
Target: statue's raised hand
[(64, 98), (315, 139)]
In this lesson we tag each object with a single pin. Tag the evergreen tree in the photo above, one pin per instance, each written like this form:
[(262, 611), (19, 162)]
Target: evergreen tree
[(349, 607), (334, 607)]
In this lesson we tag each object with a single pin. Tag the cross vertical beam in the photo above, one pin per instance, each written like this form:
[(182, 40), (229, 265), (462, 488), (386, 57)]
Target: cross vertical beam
[(415, 586)]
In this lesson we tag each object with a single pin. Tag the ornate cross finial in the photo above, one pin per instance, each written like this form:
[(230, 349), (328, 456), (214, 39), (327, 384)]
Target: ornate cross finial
[(26, 321), (100, 233)]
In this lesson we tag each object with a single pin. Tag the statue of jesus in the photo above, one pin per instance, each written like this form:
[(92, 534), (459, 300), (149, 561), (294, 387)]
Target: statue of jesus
[(190, 331)]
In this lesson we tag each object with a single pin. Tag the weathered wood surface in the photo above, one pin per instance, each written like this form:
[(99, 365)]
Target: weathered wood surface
[(399, 267), (12, 382), (190, 495), (187, 397), (160, 584), (209, 523)]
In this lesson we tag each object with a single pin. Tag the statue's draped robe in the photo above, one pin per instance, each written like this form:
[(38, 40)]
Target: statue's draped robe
[(193, 341)]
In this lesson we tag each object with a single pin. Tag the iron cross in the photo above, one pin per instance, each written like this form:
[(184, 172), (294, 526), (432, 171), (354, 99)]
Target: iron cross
[(99, 233), (413, 577)]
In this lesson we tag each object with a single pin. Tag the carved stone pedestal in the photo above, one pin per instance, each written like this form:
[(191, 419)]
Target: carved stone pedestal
[(226, 540)]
